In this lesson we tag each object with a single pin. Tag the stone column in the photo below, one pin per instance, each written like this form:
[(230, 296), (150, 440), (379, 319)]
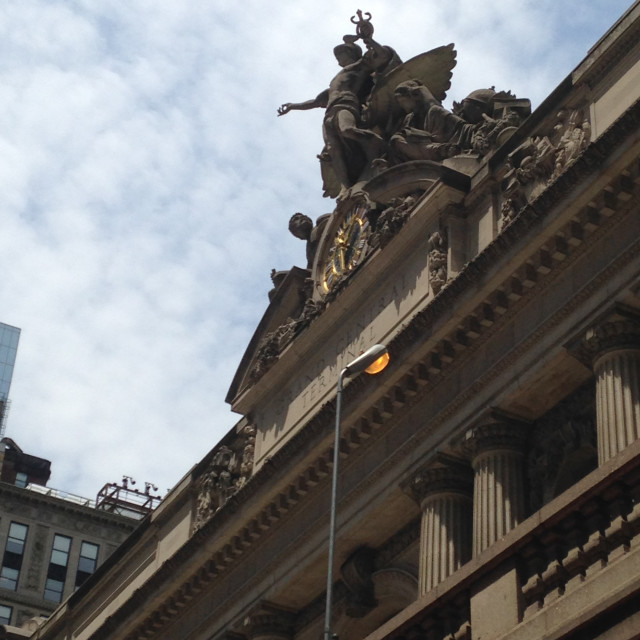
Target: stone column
[(497, 457), (443, 488), (613, 348)]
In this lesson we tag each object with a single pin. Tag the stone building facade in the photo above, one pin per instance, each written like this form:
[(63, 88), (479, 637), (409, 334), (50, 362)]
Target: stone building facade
[(490, 475), (51, 543)]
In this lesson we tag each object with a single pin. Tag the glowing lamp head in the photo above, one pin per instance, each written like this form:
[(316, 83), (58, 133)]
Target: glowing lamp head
[(373, 360), (378, 365)]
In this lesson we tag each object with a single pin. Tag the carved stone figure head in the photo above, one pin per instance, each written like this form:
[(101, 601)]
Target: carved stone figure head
[(476, 104), (411, 95), (300, 226), (347, 53)]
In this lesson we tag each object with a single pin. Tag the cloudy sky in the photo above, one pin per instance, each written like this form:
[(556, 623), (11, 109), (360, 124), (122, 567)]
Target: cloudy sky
[(146, 186)]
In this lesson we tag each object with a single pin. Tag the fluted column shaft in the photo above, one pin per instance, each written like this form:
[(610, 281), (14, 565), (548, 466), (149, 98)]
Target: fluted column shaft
[(498, 487), (614, 349), (444, 537), (617, 401), (443, 490)]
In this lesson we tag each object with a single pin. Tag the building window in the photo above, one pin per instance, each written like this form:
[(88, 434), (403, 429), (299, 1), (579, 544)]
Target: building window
[(57, 573), (5, 614), (13, 553), (21, 479), (87, 562)]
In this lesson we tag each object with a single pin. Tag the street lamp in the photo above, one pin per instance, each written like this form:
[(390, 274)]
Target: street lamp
[(373, 360)]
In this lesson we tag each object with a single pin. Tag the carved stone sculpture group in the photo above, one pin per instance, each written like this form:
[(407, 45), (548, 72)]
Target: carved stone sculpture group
[(381, 112), (384, 118)]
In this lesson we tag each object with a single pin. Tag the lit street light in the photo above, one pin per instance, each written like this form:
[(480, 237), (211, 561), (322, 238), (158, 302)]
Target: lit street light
[(373, 360)]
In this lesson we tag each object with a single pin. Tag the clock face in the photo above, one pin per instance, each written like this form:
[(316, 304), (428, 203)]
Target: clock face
[(347, 248)]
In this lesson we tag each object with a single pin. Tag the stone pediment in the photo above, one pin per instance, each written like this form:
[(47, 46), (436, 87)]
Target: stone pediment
[(276, 328)]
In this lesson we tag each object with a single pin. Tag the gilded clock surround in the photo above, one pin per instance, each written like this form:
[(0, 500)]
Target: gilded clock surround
[(345, 245)]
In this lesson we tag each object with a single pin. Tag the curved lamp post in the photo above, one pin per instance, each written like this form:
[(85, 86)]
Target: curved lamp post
[(373, 360)]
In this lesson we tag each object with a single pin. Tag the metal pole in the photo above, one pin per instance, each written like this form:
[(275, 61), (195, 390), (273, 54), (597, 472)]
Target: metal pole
[(334, 500)]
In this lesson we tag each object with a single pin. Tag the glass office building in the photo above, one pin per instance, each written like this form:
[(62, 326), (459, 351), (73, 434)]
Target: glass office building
[(9, 337)]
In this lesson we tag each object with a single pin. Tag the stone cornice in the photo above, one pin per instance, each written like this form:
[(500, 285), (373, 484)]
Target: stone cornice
[(568, 241), (610, 50), (38, 500)]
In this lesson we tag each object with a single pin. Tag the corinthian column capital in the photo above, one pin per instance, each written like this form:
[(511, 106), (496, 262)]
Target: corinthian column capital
[(441, 474), (498, 431), (615, 335), (268, 621), (618, 330)]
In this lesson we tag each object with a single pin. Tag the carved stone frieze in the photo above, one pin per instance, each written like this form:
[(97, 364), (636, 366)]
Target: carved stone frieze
[(531, 163), (311, 310), (573, 134), (229, 469), (438, 246), (270, 348), (391, 220), (541, 159), (38, 551)]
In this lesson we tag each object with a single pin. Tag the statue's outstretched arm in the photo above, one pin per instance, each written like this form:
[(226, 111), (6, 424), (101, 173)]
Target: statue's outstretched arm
[(321, 100), (379, 54)]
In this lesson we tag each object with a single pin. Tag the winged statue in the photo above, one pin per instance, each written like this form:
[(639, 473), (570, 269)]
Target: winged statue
[(360, 112)]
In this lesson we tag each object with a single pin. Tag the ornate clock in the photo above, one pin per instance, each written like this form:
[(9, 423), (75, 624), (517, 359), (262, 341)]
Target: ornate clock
[(347, 249)]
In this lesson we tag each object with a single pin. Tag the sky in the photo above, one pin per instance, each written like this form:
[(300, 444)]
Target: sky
[(146, 186)]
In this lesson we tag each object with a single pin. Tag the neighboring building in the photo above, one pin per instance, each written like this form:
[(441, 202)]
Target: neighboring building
[(9, 337), (22, 468), (490, 475), (51, 543)]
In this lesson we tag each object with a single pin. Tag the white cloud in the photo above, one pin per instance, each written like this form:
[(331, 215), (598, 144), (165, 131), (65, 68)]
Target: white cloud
[(147, 184)]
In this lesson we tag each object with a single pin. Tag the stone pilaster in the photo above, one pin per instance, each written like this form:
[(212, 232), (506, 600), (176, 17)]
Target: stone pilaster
[(443, 489), (496, 449), (613, 348)]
